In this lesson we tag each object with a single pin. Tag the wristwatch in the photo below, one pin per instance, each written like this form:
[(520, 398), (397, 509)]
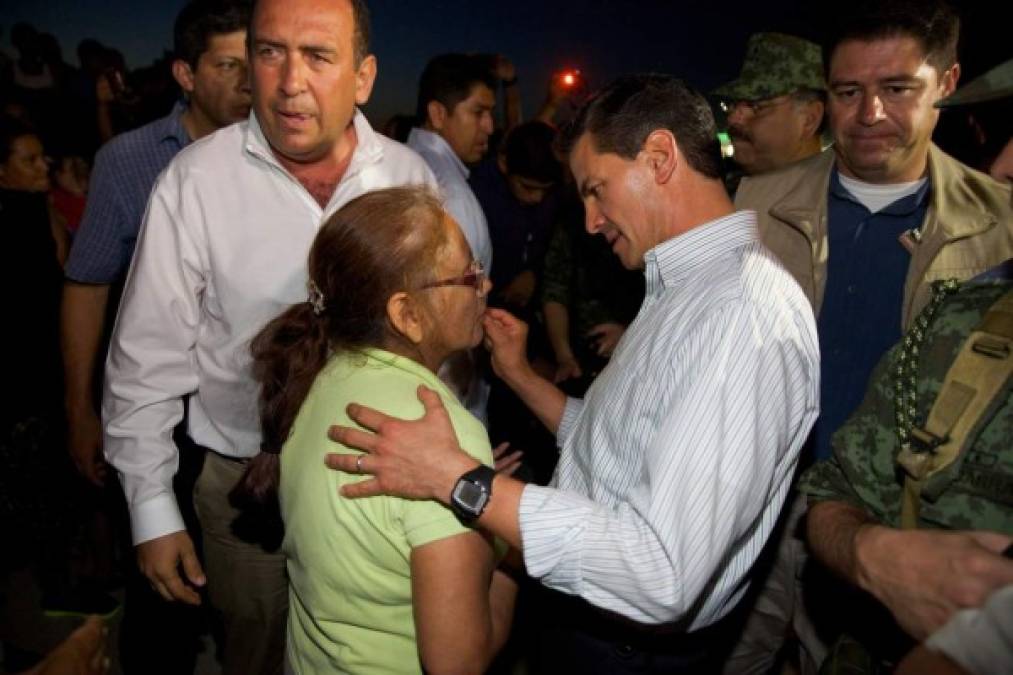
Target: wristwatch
[(472, 492)]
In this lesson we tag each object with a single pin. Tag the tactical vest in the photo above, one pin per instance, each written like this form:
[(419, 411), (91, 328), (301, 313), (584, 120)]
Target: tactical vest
[(936, 456)]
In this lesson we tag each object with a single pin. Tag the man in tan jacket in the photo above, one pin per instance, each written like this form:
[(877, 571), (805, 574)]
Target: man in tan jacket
[(897, 213)]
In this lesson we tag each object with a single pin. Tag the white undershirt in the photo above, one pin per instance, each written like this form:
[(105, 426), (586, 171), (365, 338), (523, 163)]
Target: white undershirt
[(877, 197)]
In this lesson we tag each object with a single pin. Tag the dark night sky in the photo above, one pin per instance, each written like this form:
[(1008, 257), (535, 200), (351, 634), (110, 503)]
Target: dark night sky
[(702, 42)]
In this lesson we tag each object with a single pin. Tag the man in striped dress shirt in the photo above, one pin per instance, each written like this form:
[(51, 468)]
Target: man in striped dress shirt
[(675, 466)]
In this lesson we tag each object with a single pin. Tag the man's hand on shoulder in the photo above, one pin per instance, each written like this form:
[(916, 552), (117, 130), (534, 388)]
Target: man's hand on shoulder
[(416, 459), (924, 576), (160, 560)]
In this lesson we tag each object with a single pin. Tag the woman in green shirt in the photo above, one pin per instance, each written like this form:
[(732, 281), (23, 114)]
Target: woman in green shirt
[(379, 585)]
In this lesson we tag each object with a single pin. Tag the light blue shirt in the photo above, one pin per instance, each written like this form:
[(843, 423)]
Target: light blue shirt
[(675, 466), (458, 198)]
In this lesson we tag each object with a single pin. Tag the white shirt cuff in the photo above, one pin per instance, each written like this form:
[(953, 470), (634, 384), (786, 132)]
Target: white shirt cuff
[(980, 639), (155, 517)]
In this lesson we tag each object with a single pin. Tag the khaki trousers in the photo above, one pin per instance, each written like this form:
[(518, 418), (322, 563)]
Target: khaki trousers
[(247, 584), (780, 607)]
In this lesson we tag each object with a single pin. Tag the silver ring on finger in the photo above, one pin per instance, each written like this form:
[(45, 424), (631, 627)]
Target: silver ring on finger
[(358, 464)]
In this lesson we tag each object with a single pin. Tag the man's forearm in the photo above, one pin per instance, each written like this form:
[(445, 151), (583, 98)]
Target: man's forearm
[(557, 325), (81, 322), (501, 517), (542, 397), (834, 529)]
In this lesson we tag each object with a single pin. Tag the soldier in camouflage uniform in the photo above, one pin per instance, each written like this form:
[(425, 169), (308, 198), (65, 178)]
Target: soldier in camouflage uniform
[(775, 107), (953, 559)]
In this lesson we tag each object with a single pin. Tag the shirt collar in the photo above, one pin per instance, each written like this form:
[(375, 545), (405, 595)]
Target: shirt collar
[(170, 127), (671, 262), (436, 144), (368, 147)]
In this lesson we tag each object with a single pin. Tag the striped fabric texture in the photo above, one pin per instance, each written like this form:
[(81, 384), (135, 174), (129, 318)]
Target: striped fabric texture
[(675, 466)]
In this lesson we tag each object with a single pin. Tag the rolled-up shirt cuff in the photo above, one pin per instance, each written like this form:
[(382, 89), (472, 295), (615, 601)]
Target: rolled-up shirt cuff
[(980, 639), (155, 517), (566, 423)]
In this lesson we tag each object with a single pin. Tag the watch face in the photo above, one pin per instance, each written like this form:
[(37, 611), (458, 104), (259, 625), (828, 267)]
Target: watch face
[(470, 495)]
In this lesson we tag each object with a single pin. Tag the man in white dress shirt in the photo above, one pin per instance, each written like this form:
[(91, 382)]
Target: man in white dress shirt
[(222, 251), (675, 466)]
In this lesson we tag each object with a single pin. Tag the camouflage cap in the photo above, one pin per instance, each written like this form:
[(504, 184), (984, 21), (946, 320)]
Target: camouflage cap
[(996, 83), (775, 64)]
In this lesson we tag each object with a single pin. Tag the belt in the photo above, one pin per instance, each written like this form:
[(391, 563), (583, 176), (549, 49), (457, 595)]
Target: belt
[(670, 638)]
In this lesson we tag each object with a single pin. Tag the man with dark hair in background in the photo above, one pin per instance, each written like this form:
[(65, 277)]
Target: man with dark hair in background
[(222, 251), (454, 118), (675, 465), (866, 227), (210, 67)]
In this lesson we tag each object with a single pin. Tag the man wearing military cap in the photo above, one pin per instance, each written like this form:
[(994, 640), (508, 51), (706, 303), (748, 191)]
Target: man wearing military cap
[(775, 107)]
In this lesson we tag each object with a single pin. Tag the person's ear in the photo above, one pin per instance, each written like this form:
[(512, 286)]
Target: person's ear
[(661, 152), (948, 80), (184, 76), (812, 117), (365, 76), (406, 317), (437, 113)]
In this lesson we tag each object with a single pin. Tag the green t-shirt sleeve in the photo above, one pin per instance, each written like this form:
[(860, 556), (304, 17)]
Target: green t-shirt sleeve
[(428, 521)]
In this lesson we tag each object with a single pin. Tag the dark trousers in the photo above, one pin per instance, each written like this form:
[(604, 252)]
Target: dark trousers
[(159, 637), (575, 637)]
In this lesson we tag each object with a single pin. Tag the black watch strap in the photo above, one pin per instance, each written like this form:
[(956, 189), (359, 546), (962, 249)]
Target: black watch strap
[(472, 492)]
